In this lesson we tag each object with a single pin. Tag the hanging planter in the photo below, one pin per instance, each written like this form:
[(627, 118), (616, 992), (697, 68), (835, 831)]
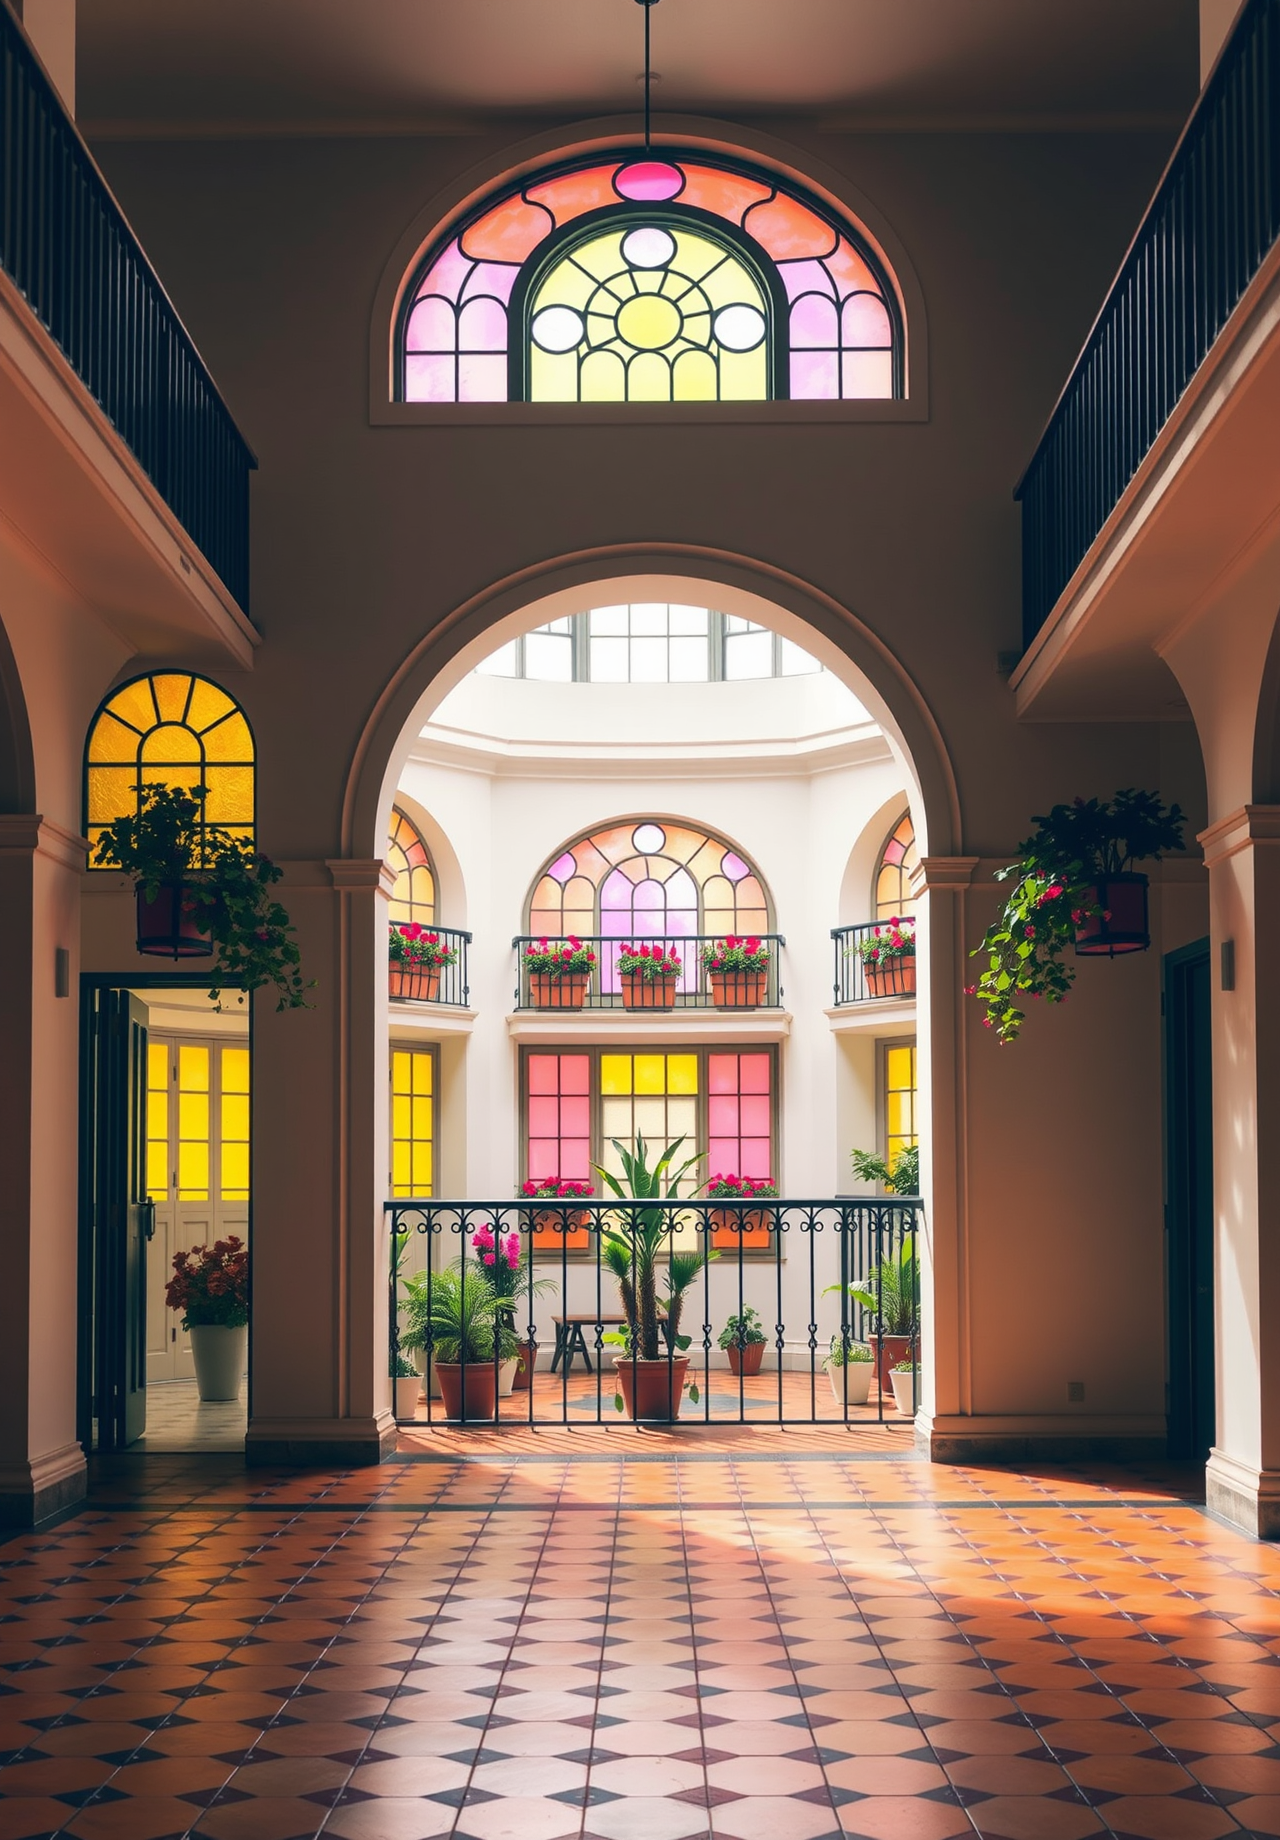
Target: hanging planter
[(1074, 886), (168, 926), (738, 971), (648, 976)]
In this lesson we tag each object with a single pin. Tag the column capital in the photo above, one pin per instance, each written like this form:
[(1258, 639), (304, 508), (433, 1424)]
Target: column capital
[(349, 872), (1246, 825), (939, 872), (28, 833)]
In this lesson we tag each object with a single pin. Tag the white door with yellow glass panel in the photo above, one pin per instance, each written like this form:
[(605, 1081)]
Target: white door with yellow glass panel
[(197, 1172)]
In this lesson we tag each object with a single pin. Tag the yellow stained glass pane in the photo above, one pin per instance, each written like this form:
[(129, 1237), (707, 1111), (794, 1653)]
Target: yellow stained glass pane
[(170, 743), (421, 1120), (193, 1115), (898, 1113), (158, 1170), (235, 1117), (135, 704), (422, 1169), (229, 740), (193, 1172), (235, 1172), (157, 1066), (899, 1066), (171, 692), (650, 1073), (649, 378), (401, 1072), (229, 795), (235, 1070), (682, 1073), (171, 776), (112, 741), (193, 1069), (553, 377), (615, 1073), (695, 377), (401, 1116), (208, 704), (743, 375), (112, 793), (401, 1168)]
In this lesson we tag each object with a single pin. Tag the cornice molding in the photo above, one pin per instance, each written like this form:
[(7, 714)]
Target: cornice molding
[(1248, 824)]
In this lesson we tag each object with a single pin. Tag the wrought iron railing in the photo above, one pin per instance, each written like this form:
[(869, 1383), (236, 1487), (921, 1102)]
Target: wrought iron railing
[(1205, 235), (821, 1277), (446, 984), (67, 246), (859, 979), (697, 987)]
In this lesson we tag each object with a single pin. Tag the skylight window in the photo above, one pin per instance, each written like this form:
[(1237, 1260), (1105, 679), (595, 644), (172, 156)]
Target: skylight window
[(649, 642)]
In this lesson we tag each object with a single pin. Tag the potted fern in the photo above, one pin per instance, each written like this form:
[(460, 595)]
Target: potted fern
[(455, 1315), (890, 1292)]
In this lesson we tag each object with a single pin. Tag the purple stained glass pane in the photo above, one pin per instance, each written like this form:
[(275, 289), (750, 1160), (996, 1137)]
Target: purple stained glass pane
[(813, 322), (482, 326), (482, 378), (430, 380), (432, 326), (813, 376), (806, 278), (734, 867), (650, 896), (648, 180), (563, 867), (864, 321), (615, 892), (447, 275), (494, 278)]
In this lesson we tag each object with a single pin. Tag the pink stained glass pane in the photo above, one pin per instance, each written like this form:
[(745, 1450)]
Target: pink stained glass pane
[(722, 1115), (789, 230), (734, 867), (757, 1159), (432, 326), (430, 379), (864, 321), (575, 1073), (544, 1117), (573, 193), (867, 374), (482, 326), (753, 1073), (482, 378), (650, 895), (850, 272), (813, 322), (722, 1156), (510, 232), (543, 1070), (615, 896), (575, 1159), (722, 1073), (806, 278), (575, 1117), (447, 274), (544, 1157), (563, 867), (648, 181), (754, 1119), (814, 376), (494, 279)]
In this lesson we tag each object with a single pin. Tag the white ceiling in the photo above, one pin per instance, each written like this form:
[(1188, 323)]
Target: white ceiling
[(348, 63)]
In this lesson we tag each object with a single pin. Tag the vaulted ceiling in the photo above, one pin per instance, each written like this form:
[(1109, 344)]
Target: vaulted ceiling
[(297, 64)]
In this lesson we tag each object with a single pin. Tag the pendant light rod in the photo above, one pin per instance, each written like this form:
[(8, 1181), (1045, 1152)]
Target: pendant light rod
[(648, 6)]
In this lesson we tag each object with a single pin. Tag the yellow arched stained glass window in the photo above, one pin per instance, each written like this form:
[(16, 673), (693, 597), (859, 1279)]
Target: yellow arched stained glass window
[(893, 878), (414, 895), (649, 313), (170, 728)]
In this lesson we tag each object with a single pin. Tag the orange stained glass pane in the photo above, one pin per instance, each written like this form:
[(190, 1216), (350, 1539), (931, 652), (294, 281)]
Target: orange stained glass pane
[(229, 740), (789, 230), (728, 195), (171, 692), (208, 704), (135, 704), (850, 272), (170, 742), (573, 193), (229, 795), (110, 740), (508, 233)]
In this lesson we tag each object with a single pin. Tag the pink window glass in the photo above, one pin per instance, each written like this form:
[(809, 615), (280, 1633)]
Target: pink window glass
[(740, 1140), (558, 1139)]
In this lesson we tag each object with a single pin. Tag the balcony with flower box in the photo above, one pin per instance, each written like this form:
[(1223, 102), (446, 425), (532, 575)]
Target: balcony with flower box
[(875, 977), (428, 976), (596, 987)]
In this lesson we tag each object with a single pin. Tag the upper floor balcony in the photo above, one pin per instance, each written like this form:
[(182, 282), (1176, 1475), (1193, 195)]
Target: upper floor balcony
[(875, 961), (617, 978), (91, 348)]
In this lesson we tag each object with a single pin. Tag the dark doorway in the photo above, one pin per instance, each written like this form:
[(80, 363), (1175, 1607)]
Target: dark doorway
[(1188, 1134)]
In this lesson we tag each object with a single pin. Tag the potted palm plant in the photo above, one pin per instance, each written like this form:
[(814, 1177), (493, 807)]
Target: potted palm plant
[(743, 1340), (417, 959), (738, 971), (890, 1292), (888, 955), (648, 976), (455, 1315), (633, 1240), (558, 972), (198, 889), (210, 1285)]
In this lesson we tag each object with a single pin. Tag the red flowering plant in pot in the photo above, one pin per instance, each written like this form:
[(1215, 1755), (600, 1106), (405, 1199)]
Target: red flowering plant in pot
[(210, 1285), (738, 971), (501, 1258), (888, 955), (740, 1224), (1074, 885), (418, 956), (648, 975), (558, 972), (564, 1225)]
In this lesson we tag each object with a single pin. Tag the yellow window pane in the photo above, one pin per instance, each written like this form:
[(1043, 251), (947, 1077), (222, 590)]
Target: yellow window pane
[(554, 378), (695, 377), (193, 1069), (235, 1117), (649, 378), (229, 740), (171, 692), (188, 776), (743, 375), (229, 795), (112, 793), (170, 743), (401, 1117), (208, 704), (193, 1172), (112, 741), (157, 1066), (422, 1109), (401, 1072), (897, 1113), (651, 1073), (422, 1169), (235, 1070), (899, 1066), (422, 1072), (135, 704), (235, 1171), (401, 1168), (193, 1115), (682, 1073), (158, 1171), (615, 1073)]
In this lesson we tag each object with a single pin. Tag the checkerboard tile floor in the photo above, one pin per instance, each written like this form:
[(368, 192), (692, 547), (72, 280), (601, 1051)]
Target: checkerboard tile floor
[(646, 1640)]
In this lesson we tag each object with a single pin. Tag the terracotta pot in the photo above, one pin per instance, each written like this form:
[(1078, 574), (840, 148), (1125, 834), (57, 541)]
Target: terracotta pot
[(646, 993), (1124, 899), (481, 1389), (895, 978), (569, 1225), (739, 989), (740, 1226), (415, 983), (859, 1382), (525, 1359), (546, 992), (745, 1360), (652, 1389), (167, 926), (889, 1350)]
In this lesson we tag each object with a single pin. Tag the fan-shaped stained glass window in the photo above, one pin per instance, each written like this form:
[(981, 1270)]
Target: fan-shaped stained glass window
[(170, 728), (893, 877), (414, 895), (650, 280)]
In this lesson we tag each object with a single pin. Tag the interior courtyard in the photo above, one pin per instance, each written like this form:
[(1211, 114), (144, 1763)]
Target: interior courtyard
[(639, 799)]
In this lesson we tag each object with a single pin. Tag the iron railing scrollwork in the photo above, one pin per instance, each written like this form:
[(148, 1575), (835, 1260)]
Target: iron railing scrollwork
[(859, 981)]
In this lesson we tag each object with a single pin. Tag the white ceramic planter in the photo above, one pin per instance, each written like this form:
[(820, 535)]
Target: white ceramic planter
[(408, 1392), (506, 1377), (859, 1373), (219, 1355), (905, 1388)]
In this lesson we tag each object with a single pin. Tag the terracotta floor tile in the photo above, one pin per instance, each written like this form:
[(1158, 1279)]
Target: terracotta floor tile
[(1162, 1818), (391, 1818), (262, 1817), (135, 1817), (26, 1817), (645, 1818), (897, 1817), (1026, 1817)]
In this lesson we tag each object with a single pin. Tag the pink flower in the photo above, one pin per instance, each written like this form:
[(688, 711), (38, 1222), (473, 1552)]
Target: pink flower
[(487, 1257)]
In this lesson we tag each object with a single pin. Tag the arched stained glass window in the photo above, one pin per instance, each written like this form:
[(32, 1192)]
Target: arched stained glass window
[(170, 728), (893, 877), (650, 280), (649, 880), (414, 895)]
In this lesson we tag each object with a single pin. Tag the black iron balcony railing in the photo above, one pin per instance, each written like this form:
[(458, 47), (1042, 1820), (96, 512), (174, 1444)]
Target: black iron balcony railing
[(697, 986), (1205, 235), (65, 243), (445, 984), (813, 1282), (859, 978)]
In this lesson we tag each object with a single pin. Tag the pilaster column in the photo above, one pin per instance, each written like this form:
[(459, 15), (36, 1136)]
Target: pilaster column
[(320, 1386), (42, 1467), (1242, 1478)]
